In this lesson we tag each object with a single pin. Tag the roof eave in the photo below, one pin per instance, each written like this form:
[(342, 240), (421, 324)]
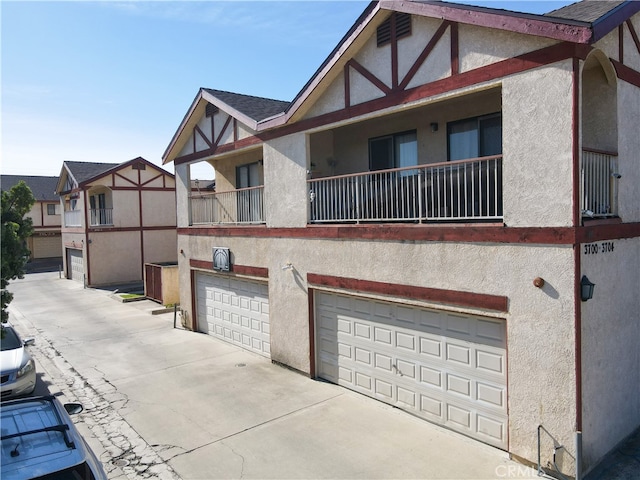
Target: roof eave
[(525, 23), (250, 122), (181, 127), (372, 9), (614, 18)]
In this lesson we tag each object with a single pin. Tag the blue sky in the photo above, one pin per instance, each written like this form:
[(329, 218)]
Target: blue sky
[(111, 81)]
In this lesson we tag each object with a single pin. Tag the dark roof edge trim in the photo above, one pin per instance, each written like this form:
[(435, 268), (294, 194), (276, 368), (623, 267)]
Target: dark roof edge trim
[(614, 18)]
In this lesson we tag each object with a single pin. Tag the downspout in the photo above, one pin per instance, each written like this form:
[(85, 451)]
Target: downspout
[(577, 264)]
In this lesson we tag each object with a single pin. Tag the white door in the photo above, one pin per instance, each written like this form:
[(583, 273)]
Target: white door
[(447, 368), (75, 264), (234, 310)]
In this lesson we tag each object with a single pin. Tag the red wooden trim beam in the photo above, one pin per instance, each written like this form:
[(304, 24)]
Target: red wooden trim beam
[(369, 76), (634, 35), (432, 233), (197, 130), (497, 303), (228, 147), (625, 73), (425, 54), (237, 269)]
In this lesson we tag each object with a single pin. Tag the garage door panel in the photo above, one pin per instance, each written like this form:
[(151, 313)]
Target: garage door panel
[(234, 310), (446, 368)]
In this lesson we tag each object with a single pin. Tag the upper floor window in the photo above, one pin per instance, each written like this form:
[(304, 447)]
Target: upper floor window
[(393, 151), (52, 209), (475, 137)]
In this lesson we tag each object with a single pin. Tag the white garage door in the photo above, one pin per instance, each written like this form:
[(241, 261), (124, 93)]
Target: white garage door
[(449, 369), (47, 247), (234, 310), (75, 264)]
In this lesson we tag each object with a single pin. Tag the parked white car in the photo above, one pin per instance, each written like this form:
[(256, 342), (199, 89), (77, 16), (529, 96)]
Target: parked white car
[(18, 368)]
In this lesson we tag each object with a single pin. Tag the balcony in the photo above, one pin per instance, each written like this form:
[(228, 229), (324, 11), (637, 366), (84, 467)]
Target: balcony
[(236, 207), (599, 184), (101, 217), (467, 190), (73, 218)]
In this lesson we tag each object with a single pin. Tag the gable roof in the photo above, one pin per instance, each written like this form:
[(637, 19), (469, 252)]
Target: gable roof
[(256, 108), (43, 188), (84, 172), (584, 22)]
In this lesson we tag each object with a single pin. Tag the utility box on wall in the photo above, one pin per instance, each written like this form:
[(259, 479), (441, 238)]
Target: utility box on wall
[(161, 283)]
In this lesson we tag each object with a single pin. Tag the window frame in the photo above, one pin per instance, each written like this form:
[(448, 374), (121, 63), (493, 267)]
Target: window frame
[(51, 209), (394, 162), (478, 122)]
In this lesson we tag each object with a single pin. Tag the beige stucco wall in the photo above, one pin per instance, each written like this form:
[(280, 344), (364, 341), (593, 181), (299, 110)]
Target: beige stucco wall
[(541, 367), (610, 332), (628, 152), (160, 246), (285, 167), (537, 147), (158, 208), (115, 257)]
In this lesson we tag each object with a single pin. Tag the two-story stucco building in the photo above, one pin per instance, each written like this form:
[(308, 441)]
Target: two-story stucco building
[(117, 217), (425, 221), (46, 241)]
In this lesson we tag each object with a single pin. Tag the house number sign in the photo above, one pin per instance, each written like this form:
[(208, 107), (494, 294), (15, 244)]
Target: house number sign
[(595, 248)]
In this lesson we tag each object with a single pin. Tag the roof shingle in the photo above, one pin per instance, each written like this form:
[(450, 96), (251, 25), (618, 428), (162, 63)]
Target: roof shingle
[(586, 11), (43, 188), (256, 108), (83, 171)]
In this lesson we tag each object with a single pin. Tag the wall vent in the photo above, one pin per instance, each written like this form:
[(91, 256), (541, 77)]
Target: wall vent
[(211, 110), (402, 23)]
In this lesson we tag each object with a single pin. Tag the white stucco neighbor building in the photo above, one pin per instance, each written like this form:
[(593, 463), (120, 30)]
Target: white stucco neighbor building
[(116, 218), (424, 221)]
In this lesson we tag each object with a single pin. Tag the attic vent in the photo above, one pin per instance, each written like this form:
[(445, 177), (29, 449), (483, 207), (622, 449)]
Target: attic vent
[(210, 110), (139, 166), (402, 23)]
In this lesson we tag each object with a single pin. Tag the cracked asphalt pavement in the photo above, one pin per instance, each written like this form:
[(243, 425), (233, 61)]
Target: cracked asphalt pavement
[(164, 402)]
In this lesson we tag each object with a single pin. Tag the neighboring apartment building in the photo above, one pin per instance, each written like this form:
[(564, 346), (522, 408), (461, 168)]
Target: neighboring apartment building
[(425, 221), (117, 217), (46, 241)]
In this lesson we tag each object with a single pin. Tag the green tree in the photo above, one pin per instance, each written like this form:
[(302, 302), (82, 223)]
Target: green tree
[(16, 203)]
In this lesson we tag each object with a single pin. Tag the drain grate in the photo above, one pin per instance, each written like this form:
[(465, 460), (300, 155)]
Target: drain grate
[(121, 462)]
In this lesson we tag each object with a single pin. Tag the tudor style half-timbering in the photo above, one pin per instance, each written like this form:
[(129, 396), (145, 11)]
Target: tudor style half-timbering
[(117, 217), (45, 242), (422, 222)]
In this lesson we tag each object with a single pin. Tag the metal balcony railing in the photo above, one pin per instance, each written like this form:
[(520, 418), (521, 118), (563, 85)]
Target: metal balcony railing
[(73, 218), (101, 216), (469, 190), (242, 206), (599, 184)]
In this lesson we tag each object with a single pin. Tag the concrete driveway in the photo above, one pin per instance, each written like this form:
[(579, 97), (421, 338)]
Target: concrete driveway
[(169, 403)]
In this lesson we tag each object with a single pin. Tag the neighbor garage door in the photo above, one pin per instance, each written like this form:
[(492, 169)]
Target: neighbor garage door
[(75, 264), (234, 310), (47, 247), (447, 368)]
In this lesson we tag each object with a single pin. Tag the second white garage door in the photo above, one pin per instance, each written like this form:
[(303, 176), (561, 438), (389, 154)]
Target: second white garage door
[(75, 264), (234, 310), (449, 369)]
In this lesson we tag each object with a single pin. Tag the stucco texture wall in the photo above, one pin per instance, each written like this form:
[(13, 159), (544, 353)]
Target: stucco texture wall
[(115, 257), (160, 245), (286, 195), (158, 208), (540, 326), (537, 146), (610, 355)]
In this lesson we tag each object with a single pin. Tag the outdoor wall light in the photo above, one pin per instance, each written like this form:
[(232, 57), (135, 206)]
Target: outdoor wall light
[(586, 289), (434, 126), (287, 266)]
